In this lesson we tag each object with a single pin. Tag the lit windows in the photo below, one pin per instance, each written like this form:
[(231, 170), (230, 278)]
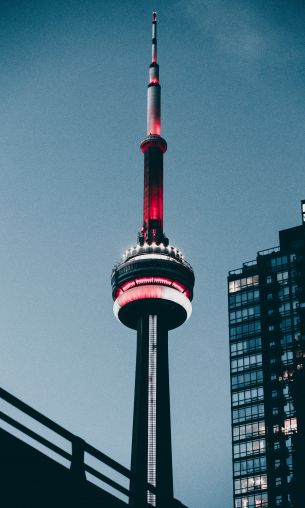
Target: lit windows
[(238, 284), (250, 483), (252, 501), (290, 426), (248, 430)]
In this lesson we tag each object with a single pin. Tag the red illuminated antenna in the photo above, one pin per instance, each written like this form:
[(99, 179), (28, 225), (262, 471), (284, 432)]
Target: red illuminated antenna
[(153, 148)]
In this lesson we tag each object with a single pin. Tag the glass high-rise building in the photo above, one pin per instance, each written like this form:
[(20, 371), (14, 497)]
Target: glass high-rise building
[(267, 357)]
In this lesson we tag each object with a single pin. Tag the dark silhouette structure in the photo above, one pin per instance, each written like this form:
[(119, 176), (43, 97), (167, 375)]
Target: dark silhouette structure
[(30, 478), (267, 344), (152, 289)]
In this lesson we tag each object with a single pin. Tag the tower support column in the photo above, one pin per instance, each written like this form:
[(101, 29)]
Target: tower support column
[(151, 460)]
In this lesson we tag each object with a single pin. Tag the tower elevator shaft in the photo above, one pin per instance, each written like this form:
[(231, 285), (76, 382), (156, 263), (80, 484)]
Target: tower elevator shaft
[(151, 460)]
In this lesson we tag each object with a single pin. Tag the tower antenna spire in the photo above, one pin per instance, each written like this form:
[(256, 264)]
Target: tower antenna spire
[(154, 55)]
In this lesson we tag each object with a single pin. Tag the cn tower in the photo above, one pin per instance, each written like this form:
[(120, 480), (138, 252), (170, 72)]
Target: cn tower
[(152, 289)]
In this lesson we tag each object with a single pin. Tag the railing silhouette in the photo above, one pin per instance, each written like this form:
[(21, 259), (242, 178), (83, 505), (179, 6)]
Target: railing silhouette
[(78, 466)]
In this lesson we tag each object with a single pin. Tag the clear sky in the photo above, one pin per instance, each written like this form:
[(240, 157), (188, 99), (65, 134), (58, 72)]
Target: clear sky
[(73, 112)]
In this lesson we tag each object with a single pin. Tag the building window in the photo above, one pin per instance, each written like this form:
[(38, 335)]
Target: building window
[(245, 379), (248, 430), (290, 426), (278, 262), (246, 362), (238, 284), (270, 328), (253, 465), (287, 357), (278, 500), (249, 448), (246, 396), (245, 346), (268, 279), (243, 414), (282, 277), (251, 328), (243, 298), (277, 445), (250, 483), (275, 411), (236, 316)]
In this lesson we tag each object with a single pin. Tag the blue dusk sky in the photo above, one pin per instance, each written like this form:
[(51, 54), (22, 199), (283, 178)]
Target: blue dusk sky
[(73, 112)]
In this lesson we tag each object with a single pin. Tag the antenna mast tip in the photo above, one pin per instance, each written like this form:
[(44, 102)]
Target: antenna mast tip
[(154, 16)]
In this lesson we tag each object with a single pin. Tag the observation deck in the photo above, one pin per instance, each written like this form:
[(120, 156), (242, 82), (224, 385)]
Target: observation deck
[(152, 279)]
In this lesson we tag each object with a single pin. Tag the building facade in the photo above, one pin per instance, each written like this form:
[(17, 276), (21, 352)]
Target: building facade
[(266, 299)]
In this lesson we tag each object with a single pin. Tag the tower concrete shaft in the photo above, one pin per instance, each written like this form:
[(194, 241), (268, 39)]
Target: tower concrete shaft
[(151, 459)]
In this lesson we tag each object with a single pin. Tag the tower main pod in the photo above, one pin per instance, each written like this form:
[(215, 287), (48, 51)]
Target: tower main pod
[(152, 289)]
